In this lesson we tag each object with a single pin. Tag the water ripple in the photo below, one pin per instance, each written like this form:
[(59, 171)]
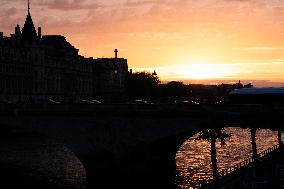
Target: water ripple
[(194, 162)]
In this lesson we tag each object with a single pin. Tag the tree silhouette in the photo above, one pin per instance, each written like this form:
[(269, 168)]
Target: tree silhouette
[(253, 143), (142, 85), (276, 118), (250, 124), (174, 89), (255, 156), (212, 135), (276, 127)]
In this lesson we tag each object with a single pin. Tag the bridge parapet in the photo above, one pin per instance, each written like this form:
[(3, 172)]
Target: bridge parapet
[(231, 174)]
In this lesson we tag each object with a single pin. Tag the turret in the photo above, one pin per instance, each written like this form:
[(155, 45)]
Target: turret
[(17, 31)]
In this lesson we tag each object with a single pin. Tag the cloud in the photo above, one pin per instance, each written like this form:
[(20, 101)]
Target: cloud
[(69, 4), (237, 0), (141, 3), (261, 48), (252, 28)]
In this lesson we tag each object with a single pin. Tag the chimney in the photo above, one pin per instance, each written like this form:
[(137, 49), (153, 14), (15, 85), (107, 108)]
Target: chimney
[(39, 32)]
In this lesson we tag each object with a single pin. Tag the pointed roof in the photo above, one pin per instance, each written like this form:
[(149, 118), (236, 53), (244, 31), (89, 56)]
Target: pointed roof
[(29, 31)]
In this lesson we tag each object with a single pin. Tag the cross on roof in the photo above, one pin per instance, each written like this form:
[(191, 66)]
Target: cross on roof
[(116, 51)]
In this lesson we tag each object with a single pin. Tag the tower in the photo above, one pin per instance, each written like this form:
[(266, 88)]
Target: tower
[(29, 32)]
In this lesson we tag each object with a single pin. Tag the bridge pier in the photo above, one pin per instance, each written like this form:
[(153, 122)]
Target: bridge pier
[(142, 166)]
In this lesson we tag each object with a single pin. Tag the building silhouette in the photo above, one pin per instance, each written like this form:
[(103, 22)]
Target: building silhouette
[(34, 67)]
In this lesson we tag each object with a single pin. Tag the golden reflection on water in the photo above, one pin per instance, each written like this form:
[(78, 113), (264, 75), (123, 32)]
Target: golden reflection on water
[(194, 162)]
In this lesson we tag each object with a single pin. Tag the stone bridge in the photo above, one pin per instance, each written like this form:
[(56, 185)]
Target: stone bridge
[(102, 146)]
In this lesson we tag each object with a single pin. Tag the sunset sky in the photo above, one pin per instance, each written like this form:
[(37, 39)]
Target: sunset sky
[(180, 39)]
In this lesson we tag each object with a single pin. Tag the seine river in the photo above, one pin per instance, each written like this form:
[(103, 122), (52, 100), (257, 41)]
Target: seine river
[(194, 162)]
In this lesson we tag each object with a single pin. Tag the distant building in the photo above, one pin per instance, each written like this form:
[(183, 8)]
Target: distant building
[(257, 96), (110, 78), (238, 85), (35, 67)]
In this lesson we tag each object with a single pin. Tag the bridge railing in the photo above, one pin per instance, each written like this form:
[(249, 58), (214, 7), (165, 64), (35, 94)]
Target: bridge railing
[(226, 175)]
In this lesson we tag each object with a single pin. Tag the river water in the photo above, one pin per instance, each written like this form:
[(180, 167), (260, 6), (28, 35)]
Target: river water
[(194, 162)]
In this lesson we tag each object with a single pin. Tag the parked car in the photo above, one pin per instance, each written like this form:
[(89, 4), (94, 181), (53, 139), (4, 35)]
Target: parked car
[(87, 102), (53, 101), (194, 102), (182, 102), (96, 101), (138, 101)]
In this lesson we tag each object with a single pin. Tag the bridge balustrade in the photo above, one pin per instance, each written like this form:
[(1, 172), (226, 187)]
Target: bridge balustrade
[(230, 173)]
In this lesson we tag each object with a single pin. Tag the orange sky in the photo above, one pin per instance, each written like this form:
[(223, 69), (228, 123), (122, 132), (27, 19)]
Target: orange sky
[(180, 39)]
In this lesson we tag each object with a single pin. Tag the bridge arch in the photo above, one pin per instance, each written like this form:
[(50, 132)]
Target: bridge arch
[(32, 160), (123, 149)]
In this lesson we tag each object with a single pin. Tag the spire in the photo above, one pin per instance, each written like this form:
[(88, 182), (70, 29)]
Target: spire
[(29, 31)]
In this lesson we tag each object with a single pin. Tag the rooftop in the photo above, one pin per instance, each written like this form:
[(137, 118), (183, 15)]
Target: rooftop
[(268, 90)]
